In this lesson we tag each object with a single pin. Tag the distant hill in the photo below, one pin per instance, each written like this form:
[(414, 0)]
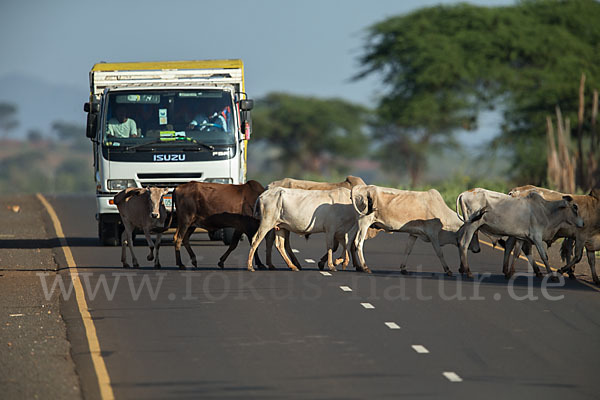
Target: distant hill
[(40, 103)]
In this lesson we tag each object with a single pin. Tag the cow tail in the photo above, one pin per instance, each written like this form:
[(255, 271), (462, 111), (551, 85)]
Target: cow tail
[(256, 209), (353, 203), (459, 206), (477, 215)]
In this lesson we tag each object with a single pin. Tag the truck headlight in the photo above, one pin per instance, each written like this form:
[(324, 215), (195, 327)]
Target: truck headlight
[(120, 184), (219, 180)]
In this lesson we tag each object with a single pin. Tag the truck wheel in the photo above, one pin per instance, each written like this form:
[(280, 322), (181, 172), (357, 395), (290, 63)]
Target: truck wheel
[(228, 235), (109, 233)]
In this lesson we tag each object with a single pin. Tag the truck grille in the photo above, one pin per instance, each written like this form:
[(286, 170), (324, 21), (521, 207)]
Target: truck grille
[(169, 180)]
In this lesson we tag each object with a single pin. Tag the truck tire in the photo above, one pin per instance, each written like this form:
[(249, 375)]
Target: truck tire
[(228, 235), (109, 233)]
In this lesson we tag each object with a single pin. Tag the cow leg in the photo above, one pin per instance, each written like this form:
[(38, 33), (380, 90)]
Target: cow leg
[(407, 250), (438, 251), (156, 249), (579, 245), (123, 249), (359, 240), (269, 241), (129, 229), (234, 242), (591, 256), (188, 247), (150, 244), (280, 236), (508, 247), (344, 241), (288, 248), (544, 256), (466, 233), (324, 259), (329, 240), (182, 228), (262, 231), (527, 250)]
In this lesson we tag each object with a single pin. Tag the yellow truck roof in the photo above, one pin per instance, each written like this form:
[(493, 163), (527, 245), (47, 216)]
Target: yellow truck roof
[(160, 65)]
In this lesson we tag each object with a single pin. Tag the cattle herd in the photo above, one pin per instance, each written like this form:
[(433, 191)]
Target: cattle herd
[(349, 212)]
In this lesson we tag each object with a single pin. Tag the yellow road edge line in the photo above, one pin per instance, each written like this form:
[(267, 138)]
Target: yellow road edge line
[(542, 265), (106, 391)]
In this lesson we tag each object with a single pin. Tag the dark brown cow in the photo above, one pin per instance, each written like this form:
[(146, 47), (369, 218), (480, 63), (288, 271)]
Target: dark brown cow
[(214, 206)]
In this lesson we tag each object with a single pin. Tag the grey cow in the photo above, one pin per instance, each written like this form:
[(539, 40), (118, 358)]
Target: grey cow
[(142, 208)]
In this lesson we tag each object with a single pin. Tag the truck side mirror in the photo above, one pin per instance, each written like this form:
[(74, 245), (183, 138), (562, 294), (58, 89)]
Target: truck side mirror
[(92, 121), (246, 105), (93, 107)]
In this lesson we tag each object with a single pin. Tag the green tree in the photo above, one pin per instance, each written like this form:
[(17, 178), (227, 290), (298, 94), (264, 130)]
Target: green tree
[(442, 64), (8, 118), (71, 134), (313, 135)]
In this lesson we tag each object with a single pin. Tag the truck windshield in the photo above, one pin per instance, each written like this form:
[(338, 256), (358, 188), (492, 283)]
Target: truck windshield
[(169, 118)]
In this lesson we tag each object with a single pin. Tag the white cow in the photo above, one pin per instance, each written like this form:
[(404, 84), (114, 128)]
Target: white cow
[(530, 218), (304, 212), (422, 215), (142, 209)]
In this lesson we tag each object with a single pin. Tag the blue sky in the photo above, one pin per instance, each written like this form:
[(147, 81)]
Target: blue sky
[(304, 47)]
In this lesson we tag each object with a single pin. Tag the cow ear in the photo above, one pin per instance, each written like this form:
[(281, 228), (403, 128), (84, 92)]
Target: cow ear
[(595, 192)]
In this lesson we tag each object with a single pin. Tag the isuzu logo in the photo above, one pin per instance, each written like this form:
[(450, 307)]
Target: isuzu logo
[(169, 157)]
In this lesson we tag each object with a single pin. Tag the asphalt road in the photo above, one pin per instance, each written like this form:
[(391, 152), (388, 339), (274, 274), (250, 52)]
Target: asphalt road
[(211, 333)]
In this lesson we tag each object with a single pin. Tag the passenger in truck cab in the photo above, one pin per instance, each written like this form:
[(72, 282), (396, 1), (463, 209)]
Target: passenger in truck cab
[(120, 125)]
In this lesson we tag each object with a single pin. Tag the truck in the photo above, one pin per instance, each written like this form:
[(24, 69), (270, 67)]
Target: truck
[(163, 124)]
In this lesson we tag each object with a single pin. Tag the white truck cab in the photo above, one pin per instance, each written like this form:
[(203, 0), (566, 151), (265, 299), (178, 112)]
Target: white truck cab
[(163, 124)]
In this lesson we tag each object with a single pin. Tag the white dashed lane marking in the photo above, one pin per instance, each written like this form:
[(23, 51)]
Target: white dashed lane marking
[(309, 260), (346, 288), (367, 305), (392, 325), (452, 377), (325, 273), (420, 349), (295, 251)]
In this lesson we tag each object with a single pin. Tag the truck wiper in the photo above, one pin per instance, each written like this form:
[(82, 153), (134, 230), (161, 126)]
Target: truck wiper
[(127, 148), (199, 143)]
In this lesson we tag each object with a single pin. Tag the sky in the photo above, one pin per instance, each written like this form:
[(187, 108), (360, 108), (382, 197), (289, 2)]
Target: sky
[(303, 47)]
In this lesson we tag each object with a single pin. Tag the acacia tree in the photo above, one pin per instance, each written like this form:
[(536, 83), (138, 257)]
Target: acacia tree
[(312, 134), (442, 64), (8, 118)]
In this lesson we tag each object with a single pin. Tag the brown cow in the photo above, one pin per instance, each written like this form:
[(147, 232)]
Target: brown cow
[(214, 206), (142, 208)]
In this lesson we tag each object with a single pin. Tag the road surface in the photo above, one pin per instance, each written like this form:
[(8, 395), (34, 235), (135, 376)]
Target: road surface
[(231, 334)]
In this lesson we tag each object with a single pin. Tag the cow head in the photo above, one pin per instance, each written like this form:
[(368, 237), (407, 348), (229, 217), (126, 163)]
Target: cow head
[(569, 207), (362, 198), (155, 196)]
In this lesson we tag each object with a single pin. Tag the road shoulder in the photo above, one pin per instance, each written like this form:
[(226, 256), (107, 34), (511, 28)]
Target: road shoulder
[(35, 355)]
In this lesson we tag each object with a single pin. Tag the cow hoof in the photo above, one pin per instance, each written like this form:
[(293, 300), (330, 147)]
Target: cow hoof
[(449, 273), (195, 264), (404, 271), (125, 265), (469, 275), (554, 278), (461, 270), (182, 267), (150, 257), (221, 264), (157, 266), (136, 265), (251, 269), (272, 267), (539, 275), (299, 267), (261, 267), (572, 276), (332, 269), (321, 265), (367, 270)]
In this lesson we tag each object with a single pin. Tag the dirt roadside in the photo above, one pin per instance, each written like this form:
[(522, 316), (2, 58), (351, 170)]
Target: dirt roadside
[(35, 355)]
